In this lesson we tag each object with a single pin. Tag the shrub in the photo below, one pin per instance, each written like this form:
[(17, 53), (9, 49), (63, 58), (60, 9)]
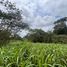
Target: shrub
[(59, 39), (4, 36)]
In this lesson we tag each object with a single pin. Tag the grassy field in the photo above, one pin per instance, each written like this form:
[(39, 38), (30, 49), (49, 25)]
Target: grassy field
[(26, 54)]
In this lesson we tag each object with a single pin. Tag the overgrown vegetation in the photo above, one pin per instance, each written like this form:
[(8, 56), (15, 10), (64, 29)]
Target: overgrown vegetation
[(60, 27), (39, 35), (26, 54), (4, 37)]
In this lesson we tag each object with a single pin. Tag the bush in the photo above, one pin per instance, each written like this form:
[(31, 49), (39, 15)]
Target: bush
[(4, 36), (59, 39)]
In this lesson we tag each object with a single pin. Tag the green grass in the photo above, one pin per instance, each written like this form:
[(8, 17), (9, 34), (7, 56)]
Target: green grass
[(26, 54)]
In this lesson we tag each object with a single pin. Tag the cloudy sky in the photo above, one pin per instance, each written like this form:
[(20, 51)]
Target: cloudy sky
[(42, 13)]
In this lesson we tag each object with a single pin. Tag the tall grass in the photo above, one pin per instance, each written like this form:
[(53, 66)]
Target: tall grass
[(25, 54)]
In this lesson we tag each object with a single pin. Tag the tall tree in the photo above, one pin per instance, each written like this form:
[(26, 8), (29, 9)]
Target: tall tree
[(60, 26), (11, 20)]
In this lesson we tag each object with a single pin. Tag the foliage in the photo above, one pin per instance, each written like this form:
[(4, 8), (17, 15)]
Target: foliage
[(10, 21), (12, 18), (59, 39), (4, 36), (26, 54), (36, 35), (39, 35), (16, 37), (60, 27)]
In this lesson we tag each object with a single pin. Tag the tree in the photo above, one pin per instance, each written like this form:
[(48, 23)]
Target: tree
[(11, 19), (37, 35), (60, 26)]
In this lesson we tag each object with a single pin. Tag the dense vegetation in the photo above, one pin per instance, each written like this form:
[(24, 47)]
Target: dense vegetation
[(26, 54), (39, 35)]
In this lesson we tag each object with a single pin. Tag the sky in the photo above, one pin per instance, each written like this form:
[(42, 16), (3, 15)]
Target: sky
[(41, 14)]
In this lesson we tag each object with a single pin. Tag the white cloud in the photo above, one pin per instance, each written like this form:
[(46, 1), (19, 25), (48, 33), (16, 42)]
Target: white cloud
[(45, 23), (57, 7), (42, 13)]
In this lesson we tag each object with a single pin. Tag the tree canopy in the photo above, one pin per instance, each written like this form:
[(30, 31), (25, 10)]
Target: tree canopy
[(11, 20), (60, 26)]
